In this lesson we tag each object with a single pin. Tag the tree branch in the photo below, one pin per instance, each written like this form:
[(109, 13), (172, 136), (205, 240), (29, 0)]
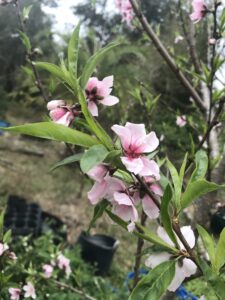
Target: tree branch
[(167, 57)]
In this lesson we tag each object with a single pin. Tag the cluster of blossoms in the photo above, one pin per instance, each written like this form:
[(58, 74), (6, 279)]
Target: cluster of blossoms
[(97, 92), (28, 290), (126, 10), (124, 199)]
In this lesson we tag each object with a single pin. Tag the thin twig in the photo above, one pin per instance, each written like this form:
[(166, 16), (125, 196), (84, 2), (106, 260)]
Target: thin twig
[(167, 57), (79, 292), (140, 244), (38, 81)]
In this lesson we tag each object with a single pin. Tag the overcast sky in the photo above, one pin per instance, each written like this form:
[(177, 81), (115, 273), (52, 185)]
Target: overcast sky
[(63, 14)]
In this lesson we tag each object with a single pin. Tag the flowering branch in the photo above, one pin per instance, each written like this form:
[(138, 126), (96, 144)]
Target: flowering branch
[(167, 57)]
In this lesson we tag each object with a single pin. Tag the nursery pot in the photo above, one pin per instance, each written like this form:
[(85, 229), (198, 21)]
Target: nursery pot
[(98, 250), (218, 220)]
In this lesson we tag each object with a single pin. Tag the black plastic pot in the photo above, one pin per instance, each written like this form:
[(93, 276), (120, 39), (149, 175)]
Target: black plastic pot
[(98, 250), (218, 220)]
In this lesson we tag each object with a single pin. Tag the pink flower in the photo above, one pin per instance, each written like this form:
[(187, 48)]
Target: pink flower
[(60, 113), (123, 207), (185, 267), (126, 10), (64, 264), (29, 291), (98, 92), (3, 248), (15, 293), (48, 270), (199, 10), (181, 121), (135, 142)]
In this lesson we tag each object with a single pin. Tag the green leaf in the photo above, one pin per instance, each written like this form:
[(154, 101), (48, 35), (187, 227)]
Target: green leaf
[(98, 212), (220, 252), (53, 69), (7, 236), (73, 48), (57, 132), (197, 189), (25, 40), (201, 161), (208, 243), (183, 167), (92, 62), (67, 161), (142, 233), (26, 12), (177, 183), (165, 216), (155, 283), (92, 157)]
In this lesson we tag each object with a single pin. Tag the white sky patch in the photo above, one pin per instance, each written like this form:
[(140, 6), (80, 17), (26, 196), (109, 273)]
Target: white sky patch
[(63, 16)]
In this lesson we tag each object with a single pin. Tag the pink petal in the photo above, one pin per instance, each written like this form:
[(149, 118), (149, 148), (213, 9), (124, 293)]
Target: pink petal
[(98, 192), (66, 119), (150, 143), (57, 113), (92, 83), (156, 189), (93, 108), (113, 185), (134, 165), (156, 259), (131, 227), (122, 199), (126, 213), (150, 208), (108, 81), (55, 104), (137, 131), (124, 135), (98, 172), (150, 168), (109, 101)]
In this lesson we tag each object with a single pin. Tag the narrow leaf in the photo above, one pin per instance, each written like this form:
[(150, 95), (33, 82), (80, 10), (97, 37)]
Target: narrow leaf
[(57, 132), (68, 160), (92, 157), (53, 69), (92, 62), (201, 161), (26, 41), (197, 189), (208, 243), (165, 216), (176, 183), (220, 252), (155, 283), (73, 51), (98, 212)]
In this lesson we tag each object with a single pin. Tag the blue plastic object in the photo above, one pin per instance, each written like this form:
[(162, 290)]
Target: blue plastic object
[(130, 276), (3, 124), (183, 294)]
